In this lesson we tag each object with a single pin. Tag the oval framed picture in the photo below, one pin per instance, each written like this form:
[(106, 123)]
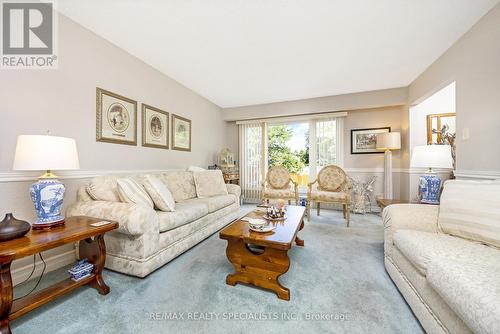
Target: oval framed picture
[(116, 118), (154, 127)]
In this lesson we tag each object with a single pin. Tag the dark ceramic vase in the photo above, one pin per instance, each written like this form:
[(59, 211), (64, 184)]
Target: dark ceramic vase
[(11, 228)]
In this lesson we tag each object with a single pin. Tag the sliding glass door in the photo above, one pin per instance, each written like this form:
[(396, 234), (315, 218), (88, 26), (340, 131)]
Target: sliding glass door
[(303, 147), (288, 146)]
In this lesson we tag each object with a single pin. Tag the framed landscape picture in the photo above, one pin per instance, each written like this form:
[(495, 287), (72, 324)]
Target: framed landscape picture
[(181, 133), (364, 141), (116, 118), (154, 127)]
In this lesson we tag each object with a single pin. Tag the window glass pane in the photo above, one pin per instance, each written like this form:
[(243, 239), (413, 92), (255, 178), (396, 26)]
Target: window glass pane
[(288, 146)]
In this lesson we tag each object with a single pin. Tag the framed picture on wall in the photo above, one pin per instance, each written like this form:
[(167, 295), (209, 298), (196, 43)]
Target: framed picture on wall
[(116, 118), (181, 133), (441, 127), (155, 127), (364, 141)]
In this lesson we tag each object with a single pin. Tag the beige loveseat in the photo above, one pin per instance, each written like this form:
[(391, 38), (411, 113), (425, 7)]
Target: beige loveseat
[(147, 239), (451, 283)]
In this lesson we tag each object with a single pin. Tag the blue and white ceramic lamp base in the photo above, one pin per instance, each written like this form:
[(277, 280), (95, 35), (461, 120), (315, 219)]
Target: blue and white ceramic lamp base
[(47, 195), (429, 188)]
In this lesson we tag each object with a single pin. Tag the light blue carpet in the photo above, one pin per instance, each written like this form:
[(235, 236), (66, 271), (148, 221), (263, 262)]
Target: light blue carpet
[(338, 285)]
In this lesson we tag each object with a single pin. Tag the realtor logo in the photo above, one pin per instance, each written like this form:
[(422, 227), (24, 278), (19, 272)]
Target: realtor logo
[(28, 35)]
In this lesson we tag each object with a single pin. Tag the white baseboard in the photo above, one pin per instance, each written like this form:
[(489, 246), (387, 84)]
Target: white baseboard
[(54, 262)]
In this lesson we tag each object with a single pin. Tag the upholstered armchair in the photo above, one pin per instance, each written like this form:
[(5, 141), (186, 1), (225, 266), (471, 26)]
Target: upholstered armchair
[(333, 187), (278, 184)]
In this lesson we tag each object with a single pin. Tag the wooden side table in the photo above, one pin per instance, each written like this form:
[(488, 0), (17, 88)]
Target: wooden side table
[(231, 177), (75, 229)]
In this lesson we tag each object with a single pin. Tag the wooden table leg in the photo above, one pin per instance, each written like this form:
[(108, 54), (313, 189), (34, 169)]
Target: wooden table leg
[(299, 241), (6, 296), (259, 269), (95, 252)]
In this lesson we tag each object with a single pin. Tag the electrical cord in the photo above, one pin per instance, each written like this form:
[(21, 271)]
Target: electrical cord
[(32, 271), (39, 278)]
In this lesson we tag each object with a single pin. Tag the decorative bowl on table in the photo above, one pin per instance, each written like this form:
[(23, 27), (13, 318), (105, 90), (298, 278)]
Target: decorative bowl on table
[(260, 225)]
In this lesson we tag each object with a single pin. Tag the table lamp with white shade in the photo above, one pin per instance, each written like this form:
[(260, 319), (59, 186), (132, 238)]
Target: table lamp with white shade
[(431, 156), (388, 141), (34, 153)]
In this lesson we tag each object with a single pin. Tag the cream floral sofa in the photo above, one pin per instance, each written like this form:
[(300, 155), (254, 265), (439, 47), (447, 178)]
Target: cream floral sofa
[(147, 239), (445, 260)]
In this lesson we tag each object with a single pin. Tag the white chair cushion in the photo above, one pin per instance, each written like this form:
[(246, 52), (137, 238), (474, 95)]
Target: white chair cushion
[(471, 289), (132, 192), (159, 193), (209, 183), (278, 193), (185, 213), (471, 209), (420, 248), (322, 195)]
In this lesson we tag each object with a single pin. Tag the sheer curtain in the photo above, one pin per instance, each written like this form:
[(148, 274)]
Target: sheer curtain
[(252, 151)]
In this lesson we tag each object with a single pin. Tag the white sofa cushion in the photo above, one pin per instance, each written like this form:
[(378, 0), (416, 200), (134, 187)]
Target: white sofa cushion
[(472, 289), (471, 209), (132, 192), (185, 213), (420, 248), (180, 184), (159, 193), (209, 183), (195, 169), (216, 203)]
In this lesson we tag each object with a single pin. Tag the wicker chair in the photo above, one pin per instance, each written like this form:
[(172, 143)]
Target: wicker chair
[(279, 185), (334, 187)]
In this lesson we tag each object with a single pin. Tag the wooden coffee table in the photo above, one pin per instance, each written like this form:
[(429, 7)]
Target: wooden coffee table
[(261, 258), (75, 229)]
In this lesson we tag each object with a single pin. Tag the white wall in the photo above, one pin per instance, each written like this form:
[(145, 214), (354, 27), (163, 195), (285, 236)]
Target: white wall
[(63, 101), (442, 101), (473, 62)]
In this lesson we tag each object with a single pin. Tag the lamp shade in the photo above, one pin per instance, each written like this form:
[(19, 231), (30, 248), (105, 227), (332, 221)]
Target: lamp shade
[(35, 152), (389, 141), (432, 156)]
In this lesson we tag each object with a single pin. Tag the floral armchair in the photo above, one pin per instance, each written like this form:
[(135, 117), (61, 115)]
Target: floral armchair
[(333, 187), (279, 185)]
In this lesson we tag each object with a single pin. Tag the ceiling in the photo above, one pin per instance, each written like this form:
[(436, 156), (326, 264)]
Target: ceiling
[(237, 52)]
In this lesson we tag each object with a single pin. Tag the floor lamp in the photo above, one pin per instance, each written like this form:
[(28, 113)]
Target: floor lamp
[(389, 142)]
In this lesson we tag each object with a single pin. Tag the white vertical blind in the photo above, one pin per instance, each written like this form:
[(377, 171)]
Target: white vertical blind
[(252, 162), (326, 144)]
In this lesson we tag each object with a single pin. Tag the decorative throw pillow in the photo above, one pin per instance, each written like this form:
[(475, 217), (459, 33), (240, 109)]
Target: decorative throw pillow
[(209, 183), (159, 193), (470, 210), (132, 192), (103, 188)]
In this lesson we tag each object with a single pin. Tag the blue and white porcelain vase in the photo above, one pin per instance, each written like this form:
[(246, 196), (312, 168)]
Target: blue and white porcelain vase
[(47, 195), (429, 188)]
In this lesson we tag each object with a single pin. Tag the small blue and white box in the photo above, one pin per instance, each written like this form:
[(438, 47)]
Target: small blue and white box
[(81, 270)]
